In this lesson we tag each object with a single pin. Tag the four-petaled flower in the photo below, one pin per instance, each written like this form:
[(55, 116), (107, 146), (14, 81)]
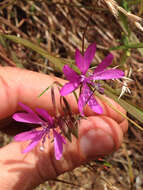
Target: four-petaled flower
[(86, 79), (36, 135)]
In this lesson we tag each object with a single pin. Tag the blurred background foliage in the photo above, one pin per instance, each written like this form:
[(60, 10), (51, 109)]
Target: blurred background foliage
[(42, 35)]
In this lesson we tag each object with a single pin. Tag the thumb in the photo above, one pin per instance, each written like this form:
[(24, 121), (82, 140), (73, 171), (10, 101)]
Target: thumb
[(98, 136)]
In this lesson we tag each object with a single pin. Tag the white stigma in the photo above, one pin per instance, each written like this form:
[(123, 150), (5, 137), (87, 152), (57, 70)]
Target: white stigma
[(42, 148)]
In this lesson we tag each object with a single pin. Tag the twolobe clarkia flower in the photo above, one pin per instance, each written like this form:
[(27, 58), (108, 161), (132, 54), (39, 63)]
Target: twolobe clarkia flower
[(86, 79), (37, 135)]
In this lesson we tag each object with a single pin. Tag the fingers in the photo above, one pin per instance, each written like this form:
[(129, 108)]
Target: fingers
[(19, 85), (97, 136)]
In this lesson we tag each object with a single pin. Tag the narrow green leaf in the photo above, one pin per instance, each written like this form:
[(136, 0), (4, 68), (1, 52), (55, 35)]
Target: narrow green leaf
[(16, 60), (136, 112), (141, 7), (58, 63), (128, 46), (2, 41), (118, 111), (44, 91)]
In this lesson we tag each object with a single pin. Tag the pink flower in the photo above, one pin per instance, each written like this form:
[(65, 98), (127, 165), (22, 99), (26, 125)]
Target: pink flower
[(85, 78), (35, 135)]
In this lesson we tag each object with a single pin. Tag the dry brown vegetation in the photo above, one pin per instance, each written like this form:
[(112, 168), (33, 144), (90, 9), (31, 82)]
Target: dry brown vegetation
[(58, 26)]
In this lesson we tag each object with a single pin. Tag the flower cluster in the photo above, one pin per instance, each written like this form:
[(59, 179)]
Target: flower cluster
[(47, 125), (87, 82)]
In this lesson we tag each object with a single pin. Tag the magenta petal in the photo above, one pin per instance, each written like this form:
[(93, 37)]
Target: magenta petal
[(79, 60), (108, 74), (26, 108), (34, 141), (70, 74), (58, 145), (44, 114), (86, 97), (30, 146), (104, 64), (83, 98), (28, 135), (88, 56), (81, 104), (27, 118), (83, 62), (68, 88), (94, 105)]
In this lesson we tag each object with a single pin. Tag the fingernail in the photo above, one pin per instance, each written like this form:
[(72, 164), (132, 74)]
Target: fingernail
[(96, 142)]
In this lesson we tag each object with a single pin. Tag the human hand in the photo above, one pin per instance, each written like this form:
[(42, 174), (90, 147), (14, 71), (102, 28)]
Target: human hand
[(26, 171)]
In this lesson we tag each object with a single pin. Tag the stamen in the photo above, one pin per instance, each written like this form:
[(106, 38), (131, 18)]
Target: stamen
[(83, 77)]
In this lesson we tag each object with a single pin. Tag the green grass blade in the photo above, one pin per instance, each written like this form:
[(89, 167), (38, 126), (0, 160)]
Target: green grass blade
[(43, 92), (117, 110), (58, 63), (128, 46), (136, 112)]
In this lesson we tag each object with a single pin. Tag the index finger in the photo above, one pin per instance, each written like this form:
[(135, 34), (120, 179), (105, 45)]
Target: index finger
[(20, 85)]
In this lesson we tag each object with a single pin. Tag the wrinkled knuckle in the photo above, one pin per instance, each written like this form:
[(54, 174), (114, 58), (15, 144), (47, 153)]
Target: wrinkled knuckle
[(45, 166), (8, 96), (4, 95)]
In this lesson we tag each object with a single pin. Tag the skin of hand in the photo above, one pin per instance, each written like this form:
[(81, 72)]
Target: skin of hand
[(98, 134)]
